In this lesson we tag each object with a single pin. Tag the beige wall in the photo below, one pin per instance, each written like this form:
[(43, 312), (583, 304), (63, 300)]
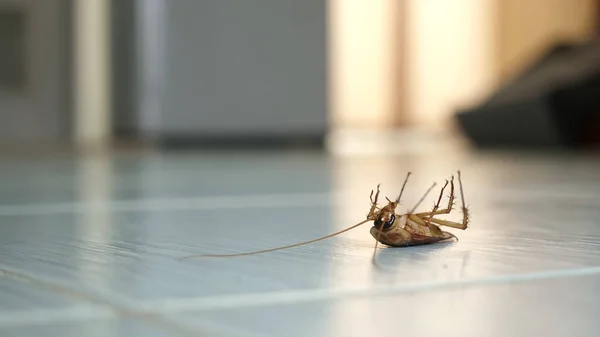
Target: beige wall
[(417, 61), (529, 27)]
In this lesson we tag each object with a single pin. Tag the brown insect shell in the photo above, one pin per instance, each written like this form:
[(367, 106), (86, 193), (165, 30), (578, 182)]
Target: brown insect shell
[(401, 235)]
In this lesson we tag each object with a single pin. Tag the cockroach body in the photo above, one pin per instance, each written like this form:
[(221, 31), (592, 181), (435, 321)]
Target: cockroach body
[(413, 229), (397, 230)]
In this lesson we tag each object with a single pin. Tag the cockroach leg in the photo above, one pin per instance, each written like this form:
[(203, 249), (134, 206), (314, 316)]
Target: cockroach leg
[(374, 201), (422, 198), (417, 219), (453, 224), (436, 206), (372, 214), (460, 225), (465, 210), (448, 209)]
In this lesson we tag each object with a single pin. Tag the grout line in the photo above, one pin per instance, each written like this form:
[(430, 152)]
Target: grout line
[(151, 318), (222, 328), (315, 295), (46, 316), (79, 314), (148, 313), (292, 200), (170, 204)]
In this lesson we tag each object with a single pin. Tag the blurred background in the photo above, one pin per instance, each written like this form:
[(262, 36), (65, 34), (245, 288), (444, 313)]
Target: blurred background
[(136, 132), (345, 76)]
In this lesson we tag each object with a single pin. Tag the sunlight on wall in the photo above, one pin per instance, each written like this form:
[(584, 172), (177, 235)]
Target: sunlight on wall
[(530, 27), (92, 76), (450, 57), (405, 64), (416, 62), (363, 63)]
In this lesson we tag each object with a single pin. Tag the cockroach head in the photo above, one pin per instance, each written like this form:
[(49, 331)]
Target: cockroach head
[(384, 220)]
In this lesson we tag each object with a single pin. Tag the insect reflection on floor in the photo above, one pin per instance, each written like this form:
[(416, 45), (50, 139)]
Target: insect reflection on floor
[(393, 229)]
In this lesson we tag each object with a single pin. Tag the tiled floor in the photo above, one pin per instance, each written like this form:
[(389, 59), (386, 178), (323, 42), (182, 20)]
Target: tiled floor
[(91, 246)]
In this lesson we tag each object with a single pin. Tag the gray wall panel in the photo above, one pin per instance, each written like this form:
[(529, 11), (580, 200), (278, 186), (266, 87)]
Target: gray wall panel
[(229, 67), (35, 101)]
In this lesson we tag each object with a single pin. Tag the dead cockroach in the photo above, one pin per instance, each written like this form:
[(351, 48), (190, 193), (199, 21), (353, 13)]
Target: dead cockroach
[(397, 230)]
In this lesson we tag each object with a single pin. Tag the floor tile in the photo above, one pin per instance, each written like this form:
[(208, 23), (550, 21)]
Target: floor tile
[(21, 296), (136, 256), (72, 179), (115, 227), (561, 307)]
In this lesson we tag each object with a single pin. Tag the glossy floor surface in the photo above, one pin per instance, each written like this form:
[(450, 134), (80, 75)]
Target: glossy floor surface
[(91, 246)]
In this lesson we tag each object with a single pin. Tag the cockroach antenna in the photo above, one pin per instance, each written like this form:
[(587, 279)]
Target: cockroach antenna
[(278, 248)]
